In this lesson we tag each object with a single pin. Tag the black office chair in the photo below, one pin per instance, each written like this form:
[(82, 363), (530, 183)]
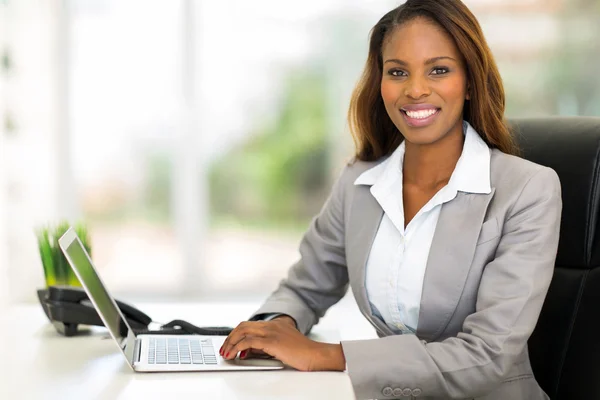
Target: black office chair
[(565, 346)]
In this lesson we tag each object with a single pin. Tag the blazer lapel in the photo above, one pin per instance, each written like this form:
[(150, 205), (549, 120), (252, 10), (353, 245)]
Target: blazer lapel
[(360, 236), (449, 261)]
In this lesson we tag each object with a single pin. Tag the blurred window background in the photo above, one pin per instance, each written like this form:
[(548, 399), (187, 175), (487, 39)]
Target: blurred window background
[(198, 138)]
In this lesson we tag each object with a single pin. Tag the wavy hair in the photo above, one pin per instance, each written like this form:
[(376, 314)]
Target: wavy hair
[(374, 133)]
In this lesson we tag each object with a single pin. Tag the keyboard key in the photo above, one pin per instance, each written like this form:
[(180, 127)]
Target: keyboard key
[(210, 351), (181, 351)]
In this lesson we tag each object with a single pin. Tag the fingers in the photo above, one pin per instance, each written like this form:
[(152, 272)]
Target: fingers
[(254, 353), (256, 329), (247, 344)]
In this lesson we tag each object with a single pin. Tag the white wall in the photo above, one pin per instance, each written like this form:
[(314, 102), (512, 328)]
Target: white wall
[(3, 251), (29, 159), (4, 293)]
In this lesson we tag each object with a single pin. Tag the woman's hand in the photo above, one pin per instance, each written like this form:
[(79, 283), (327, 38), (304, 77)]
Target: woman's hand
[(279, 338)]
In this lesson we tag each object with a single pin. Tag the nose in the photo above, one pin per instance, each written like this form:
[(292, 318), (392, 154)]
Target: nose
[(416, 88)]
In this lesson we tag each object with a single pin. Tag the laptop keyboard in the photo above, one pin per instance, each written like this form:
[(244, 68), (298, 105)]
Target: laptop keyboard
[(181, 351)]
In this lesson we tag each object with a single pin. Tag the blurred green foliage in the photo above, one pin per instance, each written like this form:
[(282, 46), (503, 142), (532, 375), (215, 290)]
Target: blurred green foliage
[(57, 270), (6, 60), (156, 195), (560, 80), (279, 176)]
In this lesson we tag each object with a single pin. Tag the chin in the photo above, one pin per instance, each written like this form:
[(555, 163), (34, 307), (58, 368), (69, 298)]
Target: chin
[(428, 134), (421, 136)]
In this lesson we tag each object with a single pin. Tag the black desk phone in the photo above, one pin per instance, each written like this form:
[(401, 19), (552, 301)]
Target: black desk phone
[(67, 307)]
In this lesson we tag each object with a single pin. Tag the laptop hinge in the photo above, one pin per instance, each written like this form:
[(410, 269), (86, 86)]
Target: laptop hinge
[(137, 351)]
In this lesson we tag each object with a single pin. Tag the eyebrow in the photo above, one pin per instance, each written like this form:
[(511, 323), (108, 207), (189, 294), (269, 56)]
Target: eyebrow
[(428, 61)]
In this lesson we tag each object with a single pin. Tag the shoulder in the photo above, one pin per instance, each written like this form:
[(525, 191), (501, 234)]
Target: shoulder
[(513, 174), (344, 188), (354, 168)]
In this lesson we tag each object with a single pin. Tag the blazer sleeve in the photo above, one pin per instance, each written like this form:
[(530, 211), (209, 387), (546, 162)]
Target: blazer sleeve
[(320, 278), (509, 300)]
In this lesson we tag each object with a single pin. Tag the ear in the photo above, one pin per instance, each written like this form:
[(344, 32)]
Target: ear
[(468, 95)]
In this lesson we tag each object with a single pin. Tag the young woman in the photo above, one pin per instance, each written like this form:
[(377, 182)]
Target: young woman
[(446, 237)]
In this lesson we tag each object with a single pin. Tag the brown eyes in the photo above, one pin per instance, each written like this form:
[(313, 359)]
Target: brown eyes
[(435, 71), (440, 70), (396, 72)]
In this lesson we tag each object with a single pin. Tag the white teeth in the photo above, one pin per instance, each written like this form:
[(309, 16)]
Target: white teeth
[(421, 114)]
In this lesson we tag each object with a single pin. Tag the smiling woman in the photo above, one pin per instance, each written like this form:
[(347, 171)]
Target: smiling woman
[(450, 51), (447, 239), (441, 80)]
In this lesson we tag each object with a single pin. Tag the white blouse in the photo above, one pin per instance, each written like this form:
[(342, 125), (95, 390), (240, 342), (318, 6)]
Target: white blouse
[(398, 258)]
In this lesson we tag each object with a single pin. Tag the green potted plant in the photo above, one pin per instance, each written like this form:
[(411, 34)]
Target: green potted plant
[(57, 270)]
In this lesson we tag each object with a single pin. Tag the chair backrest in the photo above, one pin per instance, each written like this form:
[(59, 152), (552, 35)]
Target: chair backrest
[(565, 346)]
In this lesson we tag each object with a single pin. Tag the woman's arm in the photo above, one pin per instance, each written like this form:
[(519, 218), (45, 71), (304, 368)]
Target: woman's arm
[(320, 278), (510, 297), (316, 282)]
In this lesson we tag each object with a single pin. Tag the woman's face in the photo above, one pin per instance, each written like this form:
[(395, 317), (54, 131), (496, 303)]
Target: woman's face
[(424, 82)]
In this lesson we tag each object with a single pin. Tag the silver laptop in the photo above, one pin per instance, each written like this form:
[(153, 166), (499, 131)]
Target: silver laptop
[(147, 353)]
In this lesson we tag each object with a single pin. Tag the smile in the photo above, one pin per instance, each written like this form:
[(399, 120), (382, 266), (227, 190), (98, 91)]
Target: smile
[(420, 118)]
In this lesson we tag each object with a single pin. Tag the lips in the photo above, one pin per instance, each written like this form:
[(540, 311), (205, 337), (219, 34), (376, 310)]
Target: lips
[(420, 115)]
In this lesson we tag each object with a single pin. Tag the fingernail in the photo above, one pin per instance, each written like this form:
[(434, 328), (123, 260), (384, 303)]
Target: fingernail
[(227, 355), (243, 354)]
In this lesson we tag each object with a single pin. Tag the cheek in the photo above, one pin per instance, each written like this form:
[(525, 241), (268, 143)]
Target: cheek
[(454, 92), (389, 92)]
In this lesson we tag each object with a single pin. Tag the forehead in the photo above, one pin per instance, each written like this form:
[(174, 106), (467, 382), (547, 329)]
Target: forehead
[(417, 40)]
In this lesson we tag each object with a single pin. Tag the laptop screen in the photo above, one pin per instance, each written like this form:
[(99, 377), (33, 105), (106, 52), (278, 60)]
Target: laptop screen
[(81, 263)]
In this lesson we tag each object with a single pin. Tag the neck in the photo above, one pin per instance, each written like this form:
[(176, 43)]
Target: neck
[(430, 165)]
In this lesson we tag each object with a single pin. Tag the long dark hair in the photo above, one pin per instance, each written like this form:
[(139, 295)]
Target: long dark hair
[(374, 133)]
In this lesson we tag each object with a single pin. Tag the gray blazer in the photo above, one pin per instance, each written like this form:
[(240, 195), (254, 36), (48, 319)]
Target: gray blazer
[(488, 272)]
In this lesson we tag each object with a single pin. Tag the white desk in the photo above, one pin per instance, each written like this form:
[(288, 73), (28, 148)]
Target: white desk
[(38, 363)]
